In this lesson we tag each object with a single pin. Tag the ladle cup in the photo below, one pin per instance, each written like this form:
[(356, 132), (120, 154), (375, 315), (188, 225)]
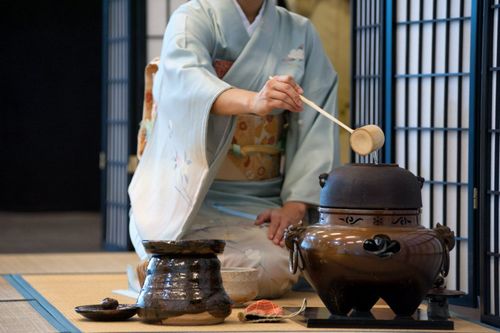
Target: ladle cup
[(363, 140)]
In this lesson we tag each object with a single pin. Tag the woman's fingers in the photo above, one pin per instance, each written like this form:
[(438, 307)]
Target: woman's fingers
[(280, 232), (277, 226), (273, 226), (286, 91), (263, 217), (278, 221), (279, 100), (288, 79), (280, 92)]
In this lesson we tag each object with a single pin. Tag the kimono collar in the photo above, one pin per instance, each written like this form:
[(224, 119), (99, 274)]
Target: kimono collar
[(229, 19), (250, 27), (254, 49)]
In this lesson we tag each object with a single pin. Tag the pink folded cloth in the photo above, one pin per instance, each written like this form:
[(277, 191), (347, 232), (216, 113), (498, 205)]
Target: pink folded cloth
[(266, 311)]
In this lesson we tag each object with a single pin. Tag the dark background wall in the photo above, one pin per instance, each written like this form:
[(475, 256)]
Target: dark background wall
[(50, 105)]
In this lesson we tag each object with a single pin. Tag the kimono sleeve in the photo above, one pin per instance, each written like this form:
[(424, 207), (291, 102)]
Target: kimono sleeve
[(171, 180), (189, 79), (312, 139), (186, 60)]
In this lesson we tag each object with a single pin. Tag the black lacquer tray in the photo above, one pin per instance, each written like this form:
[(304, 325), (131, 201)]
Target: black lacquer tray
[(320, 317)]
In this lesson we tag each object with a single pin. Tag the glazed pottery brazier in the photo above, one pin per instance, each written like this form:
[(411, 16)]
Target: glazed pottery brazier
[(183, 284), (368, 243)]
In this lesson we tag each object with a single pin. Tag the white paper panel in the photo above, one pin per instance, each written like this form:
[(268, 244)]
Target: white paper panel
[(401, 49), (425, 156), (400, 149), (465, 101), (440, 47), (492, 162), (492, 290), (464, 266), (441, 9), (464, 169), (156, 17), (154, 49), (464, 211), (413, 48), (494, 98), (426, 205), (466, 41), (467, 7), (174, 4), (438, 155), (451, 208), (401, 11), (439, 85), (399, 103), (493, 202), (412, 153), (452, 274), (495, 38), (428, 9), (427, 39)]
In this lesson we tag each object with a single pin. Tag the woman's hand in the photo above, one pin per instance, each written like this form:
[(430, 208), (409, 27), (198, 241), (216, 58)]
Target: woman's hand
[(279, 219), (280, 92)]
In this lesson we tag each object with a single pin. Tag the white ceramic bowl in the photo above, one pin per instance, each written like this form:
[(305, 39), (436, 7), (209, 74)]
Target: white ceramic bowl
[(240, 283)]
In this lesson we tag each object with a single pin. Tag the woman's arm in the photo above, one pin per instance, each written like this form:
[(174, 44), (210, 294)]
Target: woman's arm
[(280, 92)]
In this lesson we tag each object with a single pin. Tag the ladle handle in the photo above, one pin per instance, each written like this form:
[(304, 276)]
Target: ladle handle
[(326, 114), (323, 112)]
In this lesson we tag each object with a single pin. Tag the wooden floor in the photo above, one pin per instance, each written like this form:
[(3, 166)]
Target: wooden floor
[(50, 232), (36, 235), (68, 280)]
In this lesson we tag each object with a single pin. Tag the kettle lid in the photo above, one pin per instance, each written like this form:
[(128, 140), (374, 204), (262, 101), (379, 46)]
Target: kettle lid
[(371, 186)]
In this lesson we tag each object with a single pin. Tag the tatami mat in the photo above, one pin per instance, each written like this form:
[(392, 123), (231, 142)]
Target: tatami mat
[(8, 292), (65, 292), (67, 263), (21, 317)]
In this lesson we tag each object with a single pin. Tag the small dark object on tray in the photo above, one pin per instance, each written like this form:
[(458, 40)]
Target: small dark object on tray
[(109, 303), (98, 312)]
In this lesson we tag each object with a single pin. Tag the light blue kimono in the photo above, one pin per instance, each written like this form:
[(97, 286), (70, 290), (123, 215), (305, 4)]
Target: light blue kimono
[(169, 189)]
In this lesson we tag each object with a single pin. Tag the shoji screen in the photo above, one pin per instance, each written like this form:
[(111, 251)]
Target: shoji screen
[(128, 42), (431, 114), (367, 67), (490, 165), (116, 108), (412, 75), (122, 83)]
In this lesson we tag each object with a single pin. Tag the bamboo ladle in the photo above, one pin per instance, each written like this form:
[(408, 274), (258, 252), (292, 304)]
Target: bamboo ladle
[(363, 140)]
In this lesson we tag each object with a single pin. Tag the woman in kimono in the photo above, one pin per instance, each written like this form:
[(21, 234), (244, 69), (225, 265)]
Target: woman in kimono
[(224, 160)]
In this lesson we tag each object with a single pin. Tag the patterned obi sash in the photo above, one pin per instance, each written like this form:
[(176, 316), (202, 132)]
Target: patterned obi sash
[(255, 152)]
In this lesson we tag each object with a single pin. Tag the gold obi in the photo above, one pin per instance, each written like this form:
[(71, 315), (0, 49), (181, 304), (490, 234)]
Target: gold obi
[(255, 152)]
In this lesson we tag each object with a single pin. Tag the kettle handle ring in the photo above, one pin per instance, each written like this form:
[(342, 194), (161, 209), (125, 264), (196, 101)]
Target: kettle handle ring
[(296, 260)]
